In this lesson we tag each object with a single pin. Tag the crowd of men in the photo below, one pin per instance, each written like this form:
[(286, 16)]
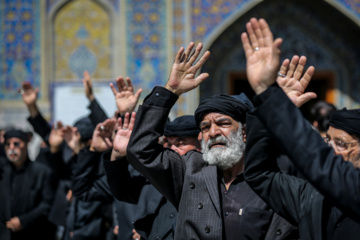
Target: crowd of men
[(217, 174)]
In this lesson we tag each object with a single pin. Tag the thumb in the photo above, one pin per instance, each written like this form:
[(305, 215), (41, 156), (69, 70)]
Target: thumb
[(304, 98)]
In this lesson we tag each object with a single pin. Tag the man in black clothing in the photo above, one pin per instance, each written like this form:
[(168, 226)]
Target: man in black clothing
[(285, 130), (209, 191), (26, 192)]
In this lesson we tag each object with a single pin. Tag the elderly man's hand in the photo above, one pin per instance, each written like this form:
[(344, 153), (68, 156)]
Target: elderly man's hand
[(293, 82), (125, 98), (101, 140), (262, 54), (183, 73)]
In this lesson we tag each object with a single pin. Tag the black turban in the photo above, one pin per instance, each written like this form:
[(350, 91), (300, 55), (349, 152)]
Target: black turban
[(184, 126), (16, 133), (346, 120), (235, 106), (85, 127)]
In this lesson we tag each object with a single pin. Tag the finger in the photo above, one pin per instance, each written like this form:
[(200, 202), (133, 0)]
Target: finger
[(300, 68), (251, 34), (199, 79), (292, 66), (138, 93), (129, 84), (195, 54), (59, 125), (120, 82), (284, 66), (258, 31), (305, 80), (267, 35), (132, 120), (188, 51), (113, 89), (126, 120), (246, 45), (179, 55), (202, 60), (119, 123), (86, 75), (304, 98), (108, 142)]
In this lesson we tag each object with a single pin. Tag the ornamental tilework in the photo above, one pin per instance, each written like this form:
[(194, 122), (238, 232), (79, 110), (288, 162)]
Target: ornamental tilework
[(82, 41), (207, 14), (146, 33), (20, 46), (51, 3), (179, 23), (351, 5)]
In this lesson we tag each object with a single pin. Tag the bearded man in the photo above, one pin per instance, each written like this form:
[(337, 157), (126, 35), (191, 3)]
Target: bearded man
[(26, 192), (208, 190)]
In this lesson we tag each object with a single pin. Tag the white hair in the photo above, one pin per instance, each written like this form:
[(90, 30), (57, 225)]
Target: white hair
[(228, 156)]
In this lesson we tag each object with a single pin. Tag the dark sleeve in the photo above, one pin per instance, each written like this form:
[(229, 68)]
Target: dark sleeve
[(41, 126), (97, 114), (42, 210), (89, 182), (164, 168), (124, 181), (329, 173), (285, 194)]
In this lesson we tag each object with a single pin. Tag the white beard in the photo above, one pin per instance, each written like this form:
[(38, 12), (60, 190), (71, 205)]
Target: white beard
[(227, 156)]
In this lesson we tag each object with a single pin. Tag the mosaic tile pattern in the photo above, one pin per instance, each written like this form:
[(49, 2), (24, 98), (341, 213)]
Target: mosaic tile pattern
[(146, 40), (20, 46), (51, 3), (207, 14), (82, 41), (351, 5)]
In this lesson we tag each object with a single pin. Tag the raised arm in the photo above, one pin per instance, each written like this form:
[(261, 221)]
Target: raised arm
[(97, 114)]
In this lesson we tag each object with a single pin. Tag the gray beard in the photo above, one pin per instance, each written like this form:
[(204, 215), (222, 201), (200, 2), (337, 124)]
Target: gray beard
[(227, 156)]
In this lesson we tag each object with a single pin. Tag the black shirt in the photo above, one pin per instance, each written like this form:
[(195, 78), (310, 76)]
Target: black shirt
[(245, 214)]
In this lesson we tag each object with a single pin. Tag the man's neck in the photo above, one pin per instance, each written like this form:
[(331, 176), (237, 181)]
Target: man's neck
[(231, 173)]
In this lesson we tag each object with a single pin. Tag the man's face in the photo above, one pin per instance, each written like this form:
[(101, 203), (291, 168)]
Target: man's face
[(182, 145), (222, 140), (16, 150), (345, 144)]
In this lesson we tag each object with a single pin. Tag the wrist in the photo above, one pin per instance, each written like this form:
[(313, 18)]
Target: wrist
[(173, 90)]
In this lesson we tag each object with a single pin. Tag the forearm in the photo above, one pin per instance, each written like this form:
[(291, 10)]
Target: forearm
[(97, 114), (305, 147), (40, 125)]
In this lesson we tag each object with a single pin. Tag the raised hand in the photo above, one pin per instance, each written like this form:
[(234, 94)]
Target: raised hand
[(125, 98), (122, 136), (293, 82), (183, 72), (101, 140), (56, 137), (72, 138), (262, 54), (29, 94), (88, 86)]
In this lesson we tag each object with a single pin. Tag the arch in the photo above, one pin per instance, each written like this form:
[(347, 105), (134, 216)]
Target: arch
[(327, 43)]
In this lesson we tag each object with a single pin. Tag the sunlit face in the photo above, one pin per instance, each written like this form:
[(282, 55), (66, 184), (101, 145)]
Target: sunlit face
[(345, 144), (222, 140), (16, 150), (182, 145)]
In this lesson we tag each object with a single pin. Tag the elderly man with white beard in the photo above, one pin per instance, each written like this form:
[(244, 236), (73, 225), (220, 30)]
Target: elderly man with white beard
[(208, 190)]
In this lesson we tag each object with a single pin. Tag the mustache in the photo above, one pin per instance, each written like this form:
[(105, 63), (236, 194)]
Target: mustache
[(12, 151), (218, 139)]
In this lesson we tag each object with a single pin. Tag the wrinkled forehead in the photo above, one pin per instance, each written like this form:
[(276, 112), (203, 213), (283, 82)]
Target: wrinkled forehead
[(215, 116), (336, 133)]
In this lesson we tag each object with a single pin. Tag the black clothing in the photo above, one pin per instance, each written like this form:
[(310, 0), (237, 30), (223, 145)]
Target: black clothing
[(235, 212), (291, 197), (138, 204), (333, 177), (26, 193), (187, 181)]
